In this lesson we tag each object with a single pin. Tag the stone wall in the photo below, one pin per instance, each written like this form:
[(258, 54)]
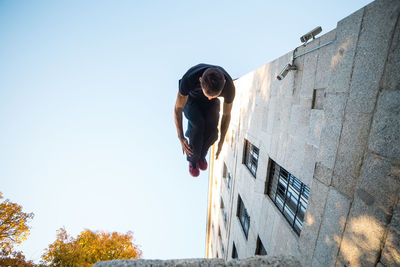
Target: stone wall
[(282, 261), (334, 124), (355, 192)]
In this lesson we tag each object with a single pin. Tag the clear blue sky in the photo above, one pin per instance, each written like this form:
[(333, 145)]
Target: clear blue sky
[(87, 89)]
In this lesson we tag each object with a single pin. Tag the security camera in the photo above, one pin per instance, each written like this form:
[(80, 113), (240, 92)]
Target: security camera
[(310, 35), (285, 71)]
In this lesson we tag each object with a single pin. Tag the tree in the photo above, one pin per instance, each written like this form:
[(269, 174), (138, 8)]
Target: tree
[(16, 259), (90, 247), (13, 225)]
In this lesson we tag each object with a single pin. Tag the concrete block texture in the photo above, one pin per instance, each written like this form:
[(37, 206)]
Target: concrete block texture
[(258, 261), (312, 222), (379, 183), (385, 132), (376, 34), (391, 250), (351, 149), (325, 55), (333, 223), (341, 65), (318, 99), (364, 234), (298, 77), (323, 174), (309, 69), (331, 128), (299, 121), (346, 145), (391, 80), (315, 127), (308, 164)]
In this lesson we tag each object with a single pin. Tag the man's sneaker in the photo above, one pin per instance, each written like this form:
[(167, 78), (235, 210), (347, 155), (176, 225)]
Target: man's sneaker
[(203, 164), (194, 169)]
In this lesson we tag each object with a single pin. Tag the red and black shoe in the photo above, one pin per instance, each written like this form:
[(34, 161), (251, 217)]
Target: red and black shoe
[(203, 164), (194, 169)]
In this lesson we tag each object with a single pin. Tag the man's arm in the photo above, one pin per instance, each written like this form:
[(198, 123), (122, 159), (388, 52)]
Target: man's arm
[(179, 105), (226, 118)]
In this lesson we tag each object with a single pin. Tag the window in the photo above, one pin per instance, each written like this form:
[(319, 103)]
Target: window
[(260, 250), (224, 171), (289, 194), (243, 216), (220, 242), (224, 213), (226, 174), (225, 219), (234, 251), (250, 158)]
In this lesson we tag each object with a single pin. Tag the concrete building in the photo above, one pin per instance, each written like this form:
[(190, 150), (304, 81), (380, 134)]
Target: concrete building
[(311, 163)]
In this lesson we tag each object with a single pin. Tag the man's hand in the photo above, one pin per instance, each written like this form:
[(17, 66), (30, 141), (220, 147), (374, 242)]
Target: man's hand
[(186, 147), (220, 144)]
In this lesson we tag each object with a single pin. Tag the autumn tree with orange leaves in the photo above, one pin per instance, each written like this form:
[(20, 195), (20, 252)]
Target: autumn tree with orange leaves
[(90, 247), (13, 225), (13, 230)]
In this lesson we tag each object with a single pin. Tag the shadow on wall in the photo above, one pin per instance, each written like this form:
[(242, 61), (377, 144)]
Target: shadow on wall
[(362, 236), (362, 242), (339, 54)]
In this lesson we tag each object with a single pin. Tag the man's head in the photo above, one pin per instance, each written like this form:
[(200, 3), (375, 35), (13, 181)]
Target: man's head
[(212, 82)]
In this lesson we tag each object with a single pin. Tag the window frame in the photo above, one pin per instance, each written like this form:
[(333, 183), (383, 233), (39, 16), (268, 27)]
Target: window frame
[(251, 155), (235, 254), (260, 249), (221, 242), (243, 216), (227, 176), (289, 195)]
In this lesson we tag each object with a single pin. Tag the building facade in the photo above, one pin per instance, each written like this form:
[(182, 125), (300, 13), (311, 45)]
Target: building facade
[(311, 163)]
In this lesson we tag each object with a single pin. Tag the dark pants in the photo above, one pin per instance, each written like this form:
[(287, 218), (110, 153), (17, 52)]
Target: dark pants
[(202, 129)]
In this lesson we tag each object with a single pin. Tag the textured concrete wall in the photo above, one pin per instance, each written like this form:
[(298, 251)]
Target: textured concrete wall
[(277, 117), (345, 145), (357, 176), (269, 261)]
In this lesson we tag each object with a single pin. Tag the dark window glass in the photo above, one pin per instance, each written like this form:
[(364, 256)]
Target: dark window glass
[(224, 171), (220, 242), (250, 158), (226, 174), (289, 194), (225, 219), (260, 250), (243, 216), (234, 252)]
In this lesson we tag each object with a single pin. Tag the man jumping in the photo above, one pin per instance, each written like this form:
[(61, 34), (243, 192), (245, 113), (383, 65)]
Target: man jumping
[(197, 98)]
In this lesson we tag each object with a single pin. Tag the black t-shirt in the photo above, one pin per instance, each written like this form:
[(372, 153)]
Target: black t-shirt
[(190, 84)]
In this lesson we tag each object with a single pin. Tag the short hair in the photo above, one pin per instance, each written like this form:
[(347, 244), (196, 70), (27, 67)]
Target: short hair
[(213, 81)]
